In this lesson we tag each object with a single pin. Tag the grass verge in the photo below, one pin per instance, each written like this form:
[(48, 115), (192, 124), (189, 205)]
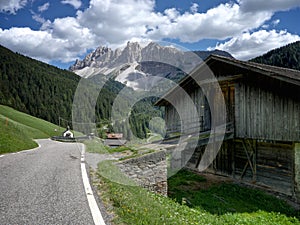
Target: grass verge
[(17, 130), (15, 136), (47, 128)]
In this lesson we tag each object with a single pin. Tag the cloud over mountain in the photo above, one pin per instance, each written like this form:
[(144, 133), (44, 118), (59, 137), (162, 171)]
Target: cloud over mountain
[(114, 22)]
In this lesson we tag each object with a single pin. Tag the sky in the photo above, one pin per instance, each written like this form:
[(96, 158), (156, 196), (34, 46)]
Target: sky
[(60, 31)]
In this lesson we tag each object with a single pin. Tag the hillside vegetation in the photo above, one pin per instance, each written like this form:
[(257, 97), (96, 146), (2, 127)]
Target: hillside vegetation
[(17, 130), (287, 56), (47, 92)]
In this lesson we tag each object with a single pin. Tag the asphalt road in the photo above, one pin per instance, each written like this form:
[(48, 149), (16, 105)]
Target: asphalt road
[(43, 186)]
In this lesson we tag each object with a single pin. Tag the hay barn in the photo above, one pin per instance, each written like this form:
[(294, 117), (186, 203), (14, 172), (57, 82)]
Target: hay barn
[(262, 140)]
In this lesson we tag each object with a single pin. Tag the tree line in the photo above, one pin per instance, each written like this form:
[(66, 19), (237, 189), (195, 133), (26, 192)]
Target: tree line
[(47, 92), (287, 56)]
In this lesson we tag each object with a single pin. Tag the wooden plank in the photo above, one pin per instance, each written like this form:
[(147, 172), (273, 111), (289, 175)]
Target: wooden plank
[(264, 114)]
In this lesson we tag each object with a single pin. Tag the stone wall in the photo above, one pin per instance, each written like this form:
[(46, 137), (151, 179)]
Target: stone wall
[(297, 171), (148, 171)]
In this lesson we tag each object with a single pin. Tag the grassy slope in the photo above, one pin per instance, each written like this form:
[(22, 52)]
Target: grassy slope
[(223, 197), (135, 205), (18, 129)]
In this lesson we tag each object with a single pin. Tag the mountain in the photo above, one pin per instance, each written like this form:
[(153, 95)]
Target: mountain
[(287, 56), (47, 92), (135, 62)]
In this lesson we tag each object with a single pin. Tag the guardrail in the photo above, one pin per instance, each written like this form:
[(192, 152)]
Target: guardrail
[(70, 139)]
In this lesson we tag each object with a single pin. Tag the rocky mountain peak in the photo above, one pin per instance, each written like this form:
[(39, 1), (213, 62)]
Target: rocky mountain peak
[(135, 61), (133, 52)]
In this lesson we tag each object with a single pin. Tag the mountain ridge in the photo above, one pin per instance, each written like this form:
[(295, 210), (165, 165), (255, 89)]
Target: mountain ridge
[(135, 61), (47, 92), (287, 56)]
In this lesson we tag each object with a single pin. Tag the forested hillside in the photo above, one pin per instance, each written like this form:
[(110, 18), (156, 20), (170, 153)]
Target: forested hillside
[(39, 89), (47, 92), (34, 87), (287, 56)]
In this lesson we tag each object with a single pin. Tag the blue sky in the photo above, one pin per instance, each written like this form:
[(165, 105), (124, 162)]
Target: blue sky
[(60, 31)]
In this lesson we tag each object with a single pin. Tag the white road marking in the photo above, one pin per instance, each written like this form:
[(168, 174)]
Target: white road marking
[(1, 156), (97, 217)]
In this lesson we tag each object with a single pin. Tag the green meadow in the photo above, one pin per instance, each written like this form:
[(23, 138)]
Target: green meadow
[(18, 130)]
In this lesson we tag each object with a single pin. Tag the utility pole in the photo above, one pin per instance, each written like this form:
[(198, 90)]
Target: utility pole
[(59, 123)]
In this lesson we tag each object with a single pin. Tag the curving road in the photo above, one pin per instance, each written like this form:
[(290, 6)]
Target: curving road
[(44, 186)]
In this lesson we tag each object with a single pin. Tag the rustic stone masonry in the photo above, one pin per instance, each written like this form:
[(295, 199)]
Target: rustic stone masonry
[(297, 171), (148, 171)]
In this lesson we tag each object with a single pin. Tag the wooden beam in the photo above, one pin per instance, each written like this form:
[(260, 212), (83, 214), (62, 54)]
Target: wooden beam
[(247, 154), (251, 158)]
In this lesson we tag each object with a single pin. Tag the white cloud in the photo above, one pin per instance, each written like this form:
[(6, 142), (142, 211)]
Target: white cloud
[(118, 21), (42, 45), (12, 6), (271, 5), (194, 8), (75, 3), (137, 19), (249, 45), (38, 18), (44, 7), (221, 22), (172, 13), (76, 35), (275, 22), (114, 22)]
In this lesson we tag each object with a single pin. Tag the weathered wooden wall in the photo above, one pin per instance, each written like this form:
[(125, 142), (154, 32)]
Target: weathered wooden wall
[(177, 121), (200, 101), (265, 114), (273, 163)]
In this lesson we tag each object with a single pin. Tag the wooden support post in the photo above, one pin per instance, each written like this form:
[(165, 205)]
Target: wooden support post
[(251, 158), (254, 161), (232, 147)]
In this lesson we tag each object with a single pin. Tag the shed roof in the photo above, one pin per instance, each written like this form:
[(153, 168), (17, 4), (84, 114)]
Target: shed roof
[(114, 142), (115, 135), (285, 74), (279, 73)]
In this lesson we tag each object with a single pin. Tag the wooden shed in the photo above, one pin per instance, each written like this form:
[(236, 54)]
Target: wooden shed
[(262, 141), (114, 140)]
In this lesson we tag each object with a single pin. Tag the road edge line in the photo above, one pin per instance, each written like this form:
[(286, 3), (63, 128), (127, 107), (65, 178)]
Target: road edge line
[(96, 214)]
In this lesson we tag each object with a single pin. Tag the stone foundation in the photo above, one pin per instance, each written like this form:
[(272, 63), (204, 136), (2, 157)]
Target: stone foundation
[(148, 171)]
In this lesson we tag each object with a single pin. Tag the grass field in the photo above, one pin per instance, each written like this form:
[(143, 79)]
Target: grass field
[(222, 197), (17, 130), (218, 204), (135, 205)]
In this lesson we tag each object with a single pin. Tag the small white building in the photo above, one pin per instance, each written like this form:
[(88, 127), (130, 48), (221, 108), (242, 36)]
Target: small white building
[(67, 133)]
